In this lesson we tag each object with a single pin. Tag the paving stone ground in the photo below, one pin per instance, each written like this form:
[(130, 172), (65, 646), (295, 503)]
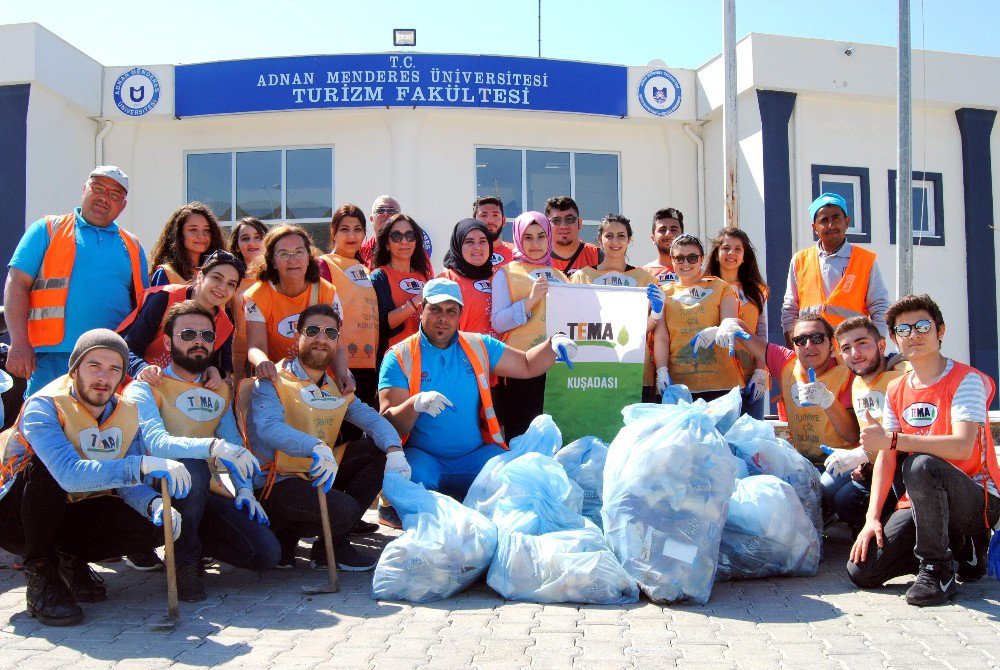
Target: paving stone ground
[(252, 621)]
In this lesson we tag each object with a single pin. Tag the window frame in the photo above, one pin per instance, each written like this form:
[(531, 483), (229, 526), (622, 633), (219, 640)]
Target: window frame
[(863, 228), (936, 180)]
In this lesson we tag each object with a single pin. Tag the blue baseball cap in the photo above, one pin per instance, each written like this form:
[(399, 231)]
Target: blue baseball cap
[(442, 290), (823, 201)]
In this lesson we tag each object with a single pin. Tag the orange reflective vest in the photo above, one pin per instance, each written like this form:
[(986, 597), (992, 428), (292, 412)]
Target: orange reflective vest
[(281, 313), (173, 276), (50, 290), (848, 297), (407, 354), (927, 411)]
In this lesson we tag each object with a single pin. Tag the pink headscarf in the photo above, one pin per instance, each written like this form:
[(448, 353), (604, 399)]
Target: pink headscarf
[(521, 224)]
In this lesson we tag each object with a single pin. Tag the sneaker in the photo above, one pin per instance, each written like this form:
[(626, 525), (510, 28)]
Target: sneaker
[(83, 583), (145, 562), (351, 559), (189, 586), (972, 557), (285, 563), (363, 527), (387, 516), (49, 600), (935, 584)]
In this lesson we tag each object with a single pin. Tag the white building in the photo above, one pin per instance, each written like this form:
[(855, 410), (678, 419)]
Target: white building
[(289, 139)]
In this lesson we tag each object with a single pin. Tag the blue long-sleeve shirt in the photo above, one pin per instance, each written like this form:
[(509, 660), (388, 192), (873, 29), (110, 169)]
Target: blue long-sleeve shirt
[(268, 432), (158, 442), (40, 426)]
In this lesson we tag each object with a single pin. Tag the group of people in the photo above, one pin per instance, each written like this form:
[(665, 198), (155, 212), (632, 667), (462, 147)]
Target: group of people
[(293, 370)]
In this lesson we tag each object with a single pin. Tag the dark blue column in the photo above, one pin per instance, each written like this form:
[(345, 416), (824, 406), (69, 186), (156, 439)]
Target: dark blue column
[(775, 111), (976, 126), (13, 166)]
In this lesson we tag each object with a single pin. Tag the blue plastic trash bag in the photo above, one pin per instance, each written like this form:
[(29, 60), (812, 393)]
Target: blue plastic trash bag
[(667, 482), (542, 437), (562, 566), (537, 497), (755, 443), (583, 461), (675, 392), (725, 410), (767, 533), (444, 548)]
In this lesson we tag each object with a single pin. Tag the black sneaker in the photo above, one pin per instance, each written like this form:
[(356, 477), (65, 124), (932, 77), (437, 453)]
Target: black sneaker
[(935, 584), (387, 516), (189, 586), (145, 562), (285, 563), (81, 580), (972, 557), (363, 527), (351, 559), (48, 598)]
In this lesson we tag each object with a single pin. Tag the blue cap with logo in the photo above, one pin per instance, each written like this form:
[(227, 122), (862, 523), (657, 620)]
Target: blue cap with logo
[(823, 201), (441, 290)]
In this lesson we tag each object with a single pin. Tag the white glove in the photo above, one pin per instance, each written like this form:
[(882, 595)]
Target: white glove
[(704, 339), (564, 349), (237, 459), (843, 460), (758, 384), (815, 393), (245, 498), (395, 461), (725, 336), (431, 402), (177, 476), (324, 467), (662, 379), (157, 518)]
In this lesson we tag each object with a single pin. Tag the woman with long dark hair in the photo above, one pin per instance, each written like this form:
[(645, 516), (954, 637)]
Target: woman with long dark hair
[(733, 259), (246, 242), (191, 233), (400, 271)]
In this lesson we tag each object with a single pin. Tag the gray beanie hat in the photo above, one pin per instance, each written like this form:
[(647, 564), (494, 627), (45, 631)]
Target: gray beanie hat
[(98, 338)]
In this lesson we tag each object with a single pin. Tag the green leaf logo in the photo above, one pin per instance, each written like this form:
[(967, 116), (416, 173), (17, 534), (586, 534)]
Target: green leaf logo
[(623, 336)]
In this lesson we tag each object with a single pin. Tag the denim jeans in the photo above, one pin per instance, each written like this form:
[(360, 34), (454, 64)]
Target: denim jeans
[(847, 497)]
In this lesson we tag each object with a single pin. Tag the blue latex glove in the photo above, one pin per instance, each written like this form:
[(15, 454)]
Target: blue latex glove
[(993, 557), (246, 500), (812, 378), (655, 295)]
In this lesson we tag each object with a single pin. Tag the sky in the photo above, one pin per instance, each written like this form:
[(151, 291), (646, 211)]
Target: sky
[(682, 33)]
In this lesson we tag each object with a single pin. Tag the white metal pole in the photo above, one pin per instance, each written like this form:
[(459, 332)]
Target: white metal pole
[(730, 117), (904, 168)]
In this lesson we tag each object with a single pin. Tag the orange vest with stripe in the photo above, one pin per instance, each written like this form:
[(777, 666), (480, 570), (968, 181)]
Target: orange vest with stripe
[(407, 354), (173, 275), (927, 411), (849, 296), (281, 313), (50, 290)]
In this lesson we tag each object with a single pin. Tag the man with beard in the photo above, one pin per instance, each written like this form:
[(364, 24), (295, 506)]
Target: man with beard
[(667, 225), (489, 210), (846, 480), (569, 254), (71, 485), (833, 278), (292, 424), (179, 418)]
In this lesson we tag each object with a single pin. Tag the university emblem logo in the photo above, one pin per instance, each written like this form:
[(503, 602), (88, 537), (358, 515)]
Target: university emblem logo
[(136, 92), (659, 93)]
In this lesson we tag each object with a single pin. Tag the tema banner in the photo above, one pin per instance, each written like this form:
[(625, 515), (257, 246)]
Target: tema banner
[(608, 324)]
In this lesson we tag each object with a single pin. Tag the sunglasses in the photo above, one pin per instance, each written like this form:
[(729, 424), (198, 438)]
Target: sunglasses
[(397, 237), (690, 259), (906, 329), (312, 331), (190, 335), (386, 210), (815, 338), (568, 221)]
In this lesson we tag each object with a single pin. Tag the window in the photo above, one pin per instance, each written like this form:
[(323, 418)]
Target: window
[(928, 209), (525, 178), (852, 184), (275, 185)]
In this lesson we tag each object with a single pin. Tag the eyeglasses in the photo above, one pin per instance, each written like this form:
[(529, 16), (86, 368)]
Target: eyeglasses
[(312, 331), (815, 338), (386, 210), (560, 221), (285, 256), (190, 335), (102, 192), (906, 329), (397, 237), (223, 257), (690, 259)]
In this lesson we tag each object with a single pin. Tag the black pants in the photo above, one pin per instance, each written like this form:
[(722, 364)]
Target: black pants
[(521, 401), (367, 392), (36, 521), (293, 504), (946, 502)]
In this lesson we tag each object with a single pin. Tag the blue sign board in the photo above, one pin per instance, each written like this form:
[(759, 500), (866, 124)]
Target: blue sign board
[(399, 80)]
